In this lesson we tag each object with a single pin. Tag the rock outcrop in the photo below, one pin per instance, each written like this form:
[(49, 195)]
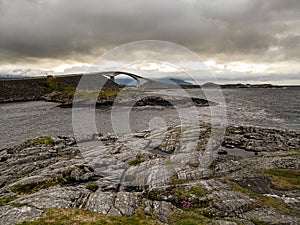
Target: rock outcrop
[(158, 172), (35, 88), (128, 98)]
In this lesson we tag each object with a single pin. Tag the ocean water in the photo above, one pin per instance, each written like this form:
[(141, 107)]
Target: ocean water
[(274, 108)]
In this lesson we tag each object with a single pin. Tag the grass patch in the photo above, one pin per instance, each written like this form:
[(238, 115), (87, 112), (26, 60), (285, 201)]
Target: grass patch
[(67, 92), (182, 196), (86, 94), (34, 187), (16, 204), (175, 181), (269, 202), (43, 140), (71, 156), (39, 141), (289, 153), (257, 222), (200, 145), (284, 179), (262, 201), (7, 199), (207, 213), (238, 188), (197, 191), (186, 218), (108, 93), (84, 217), (154, 196), (92, 94), (191, 217), (22, 189), (179, 195), (92, 187), (138, 160), (53, 84)]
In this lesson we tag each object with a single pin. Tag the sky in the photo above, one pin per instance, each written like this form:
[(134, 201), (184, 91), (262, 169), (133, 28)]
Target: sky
[(248, 41)]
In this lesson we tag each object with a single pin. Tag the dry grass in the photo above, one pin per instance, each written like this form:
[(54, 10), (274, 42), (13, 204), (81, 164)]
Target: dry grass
[(84, 217), (284, 179), (262, 201)]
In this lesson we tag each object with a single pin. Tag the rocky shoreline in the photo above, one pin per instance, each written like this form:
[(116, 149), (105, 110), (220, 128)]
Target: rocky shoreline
[(100, 99), (252, 179)]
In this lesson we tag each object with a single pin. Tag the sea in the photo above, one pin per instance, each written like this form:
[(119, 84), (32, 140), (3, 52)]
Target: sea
[(277, 108)]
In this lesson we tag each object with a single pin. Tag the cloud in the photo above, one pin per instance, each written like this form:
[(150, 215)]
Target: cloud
[(73, 28), (69, 34)]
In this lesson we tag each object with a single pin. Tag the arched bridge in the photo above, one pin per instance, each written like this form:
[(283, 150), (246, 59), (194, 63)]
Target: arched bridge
[(112, 74)]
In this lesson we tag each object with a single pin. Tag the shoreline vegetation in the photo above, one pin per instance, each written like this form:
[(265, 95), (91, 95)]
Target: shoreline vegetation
[(56, 91)]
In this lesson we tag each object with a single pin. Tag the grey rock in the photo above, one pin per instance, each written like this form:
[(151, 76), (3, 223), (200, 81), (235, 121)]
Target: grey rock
[(100, 202), (119, 204), (10, 215), (125, 168), (160, 208), (272, 217), (127, 203), (258, 183), (229, 203), (56, 197), (260, 139)]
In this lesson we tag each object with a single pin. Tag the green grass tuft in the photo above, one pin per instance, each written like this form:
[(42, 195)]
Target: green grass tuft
[(257, 222), (92, 187), (84, 217), (191, 217), (34, 187), (138, 160), (39, 141), (7, 199), (197, 191), (186, 218), (263, 201), (284, 179), (154, 196), (180, 194)]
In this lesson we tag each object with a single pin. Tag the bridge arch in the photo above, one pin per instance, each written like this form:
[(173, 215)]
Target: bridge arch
[(113, 74)]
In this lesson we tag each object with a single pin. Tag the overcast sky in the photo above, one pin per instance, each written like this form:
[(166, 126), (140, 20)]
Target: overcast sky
[(239, 40)]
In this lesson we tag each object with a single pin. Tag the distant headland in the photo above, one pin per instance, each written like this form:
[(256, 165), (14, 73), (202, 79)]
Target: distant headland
[(20, 88), (239, 85)]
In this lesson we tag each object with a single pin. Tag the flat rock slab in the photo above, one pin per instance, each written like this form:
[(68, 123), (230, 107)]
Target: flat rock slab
[(13, 215), (272, 217), (55, 197), (229, 203)]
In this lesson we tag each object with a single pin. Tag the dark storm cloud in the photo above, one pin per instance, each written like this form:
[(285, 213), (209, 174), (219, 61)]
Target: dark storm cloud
[(72, 28)]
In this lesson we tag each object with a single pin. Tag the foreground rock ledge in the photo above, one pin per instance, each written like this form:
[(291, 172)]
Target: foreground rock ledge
[(253, 178)]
